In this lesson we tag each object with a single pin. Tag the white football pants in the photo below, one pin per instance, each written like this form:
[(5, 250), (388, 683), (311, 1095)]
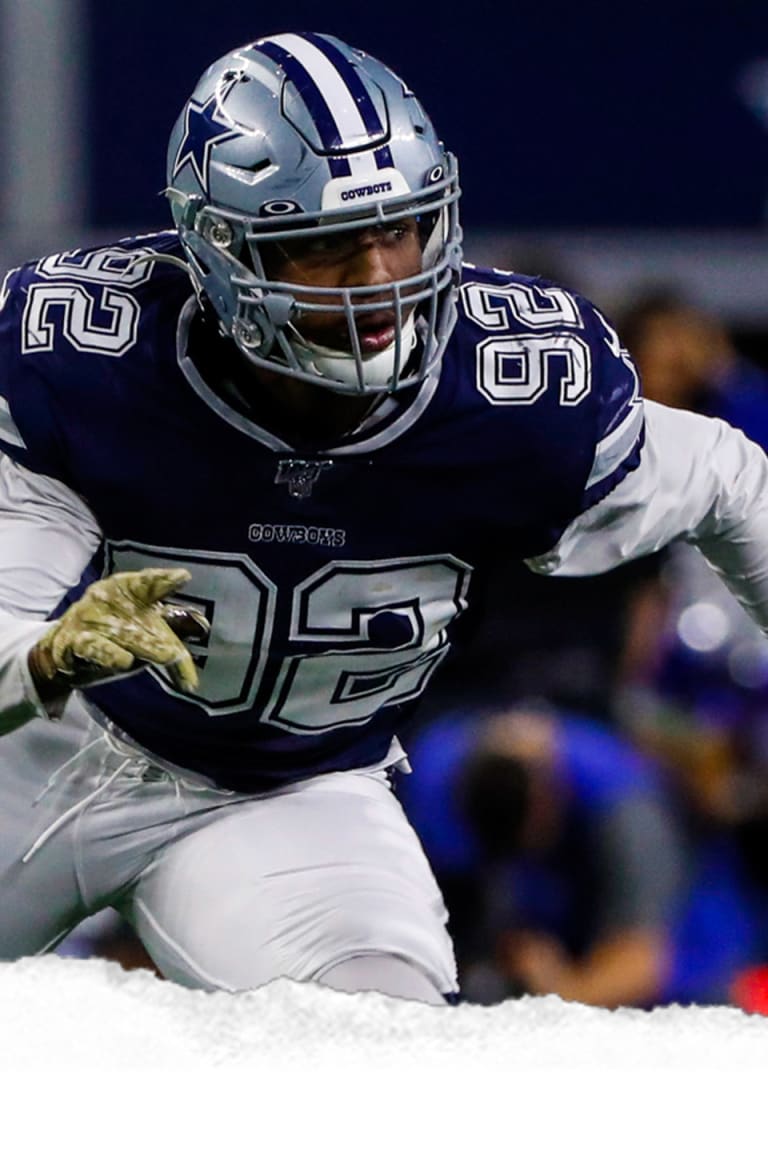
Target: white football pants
[(226, 891)]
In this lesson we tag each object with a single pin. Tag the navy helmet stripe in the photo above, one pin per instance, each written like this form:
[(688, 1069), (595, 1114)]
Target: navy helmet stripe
[(339, 166), (384, 157), (316, 103), (360, 113)]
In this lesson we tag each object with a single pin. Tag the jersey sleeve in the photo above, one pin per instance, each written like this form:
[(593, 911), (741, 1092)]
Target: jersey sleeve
[(47, 534), (619, 425), (698, 480), (28, 433), (47, 538), (11, 440)]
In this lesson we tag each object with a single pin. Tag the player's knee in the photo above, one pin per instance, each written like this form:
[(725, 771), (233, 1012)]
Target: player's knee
[(401, 952), (379, 972)]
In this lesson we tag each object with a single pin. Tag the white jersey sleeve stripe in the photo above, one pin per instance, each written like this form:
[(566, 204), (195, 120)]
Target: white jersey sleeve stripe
[(614, 448), (8, 430), (698, 480), (334, 90)]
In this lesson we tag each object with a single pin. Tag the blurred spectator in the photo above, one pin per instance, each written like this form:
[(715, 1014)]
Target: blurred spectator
[(567, 866), (579, 646), (704, 710), (687, 358)]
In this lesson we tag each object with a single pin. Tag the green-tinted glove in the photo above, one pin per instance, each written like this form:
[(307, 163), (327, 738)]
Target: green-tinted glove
[(118, 621)]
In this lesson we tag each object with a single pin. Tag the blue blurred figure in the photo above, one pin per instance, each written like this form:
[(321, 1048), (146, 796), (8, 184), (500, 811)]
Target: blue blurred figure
[(567, 865)]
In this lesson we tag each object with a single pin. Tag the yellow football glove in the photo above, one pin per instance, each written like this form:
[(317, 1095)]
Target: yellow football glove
[(118, 621)]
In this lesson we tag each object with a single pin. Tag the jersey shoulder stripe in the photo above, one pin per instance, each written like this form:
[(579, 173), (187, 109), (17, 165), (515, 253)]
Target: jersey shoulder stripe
[(549, 354)]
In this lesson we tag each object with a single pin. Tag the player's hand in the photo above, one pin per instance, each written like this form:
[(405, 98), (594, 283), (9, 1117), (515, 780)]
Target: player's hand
[(118, 622)]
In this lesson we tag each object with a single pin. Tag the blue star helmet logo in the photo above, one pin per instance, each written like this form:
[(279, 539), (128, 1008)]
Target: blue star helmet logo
[(204, 126)]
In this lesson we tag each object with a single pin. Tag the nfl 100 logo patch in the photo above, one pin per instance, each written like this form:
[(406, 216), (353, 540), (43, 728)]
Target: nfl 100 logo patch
[(301, 475)]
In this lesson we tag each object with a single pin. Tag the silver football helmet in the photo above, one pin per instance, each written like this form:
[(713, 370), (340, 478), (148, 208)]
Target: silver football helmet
[(301, 136)]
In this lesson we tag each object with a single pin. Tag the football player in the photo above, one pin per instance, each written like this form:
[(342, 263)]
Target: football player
[(254, 468)]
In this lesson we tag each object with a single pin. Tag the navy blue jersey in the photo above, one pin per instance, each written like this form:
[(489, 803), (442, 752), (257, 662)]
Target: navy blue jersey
[(332, 579)]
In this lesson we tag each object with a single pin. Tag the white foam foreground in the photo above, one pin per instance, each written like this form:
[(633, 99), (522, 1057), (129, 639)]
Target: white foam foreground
[(314, 1057)]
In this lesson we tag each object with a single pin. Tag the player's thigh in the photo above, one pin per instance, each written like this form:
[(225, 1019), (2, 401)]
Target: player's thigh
[(40, 897), (292, 884)]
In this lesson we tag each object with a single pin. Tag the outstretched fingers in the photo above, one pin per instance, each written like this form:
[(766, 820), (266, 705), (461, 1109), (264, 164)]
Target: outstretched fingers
[(123, 619), (149, 585)]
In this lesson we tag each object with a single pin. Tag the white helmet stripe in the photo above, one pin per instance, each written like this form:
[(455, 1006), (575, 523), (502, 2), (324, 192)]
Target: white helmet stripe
[(336, 94)]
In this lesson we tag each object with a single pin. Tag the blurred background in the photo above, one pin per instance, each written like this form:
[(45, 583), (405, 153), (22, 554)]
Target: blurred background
[(617, 142), (591, 778)]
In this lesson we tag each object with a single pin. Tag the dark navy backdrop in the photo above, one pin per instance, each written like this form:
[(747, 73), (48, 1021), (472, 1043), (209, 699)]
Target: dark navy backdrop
[(562, 114)]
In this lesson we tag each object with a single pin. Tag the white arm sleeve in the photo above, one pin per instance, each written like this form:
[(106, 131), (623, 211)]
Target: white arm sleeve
[(47, 537), (699, 480)]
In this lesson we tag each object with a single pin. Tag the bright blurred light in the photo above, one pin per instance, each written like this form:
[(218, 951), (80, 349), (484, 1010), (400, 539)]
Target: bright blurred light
[(703, 626)]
